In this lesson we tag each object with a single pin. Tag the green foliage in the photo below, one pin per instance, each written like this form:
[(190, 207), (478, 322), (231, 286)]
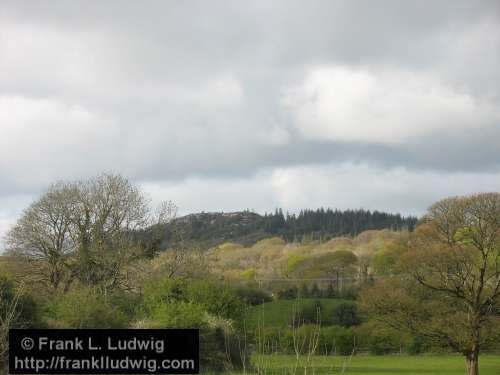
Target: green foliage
[(127, 303), (178, 314), (340, 258), (344, 314), (307, 313), (321, 223), (179, 303), (416, 345), (212, 350), (336, 339), (253, 296), (221, 351), (245, 227), (289, 293), (216, 299), (278, 313), (385, 261), (249, 273), (380, 345), (269, 339), (293, 262), (311, 338), (26, 311), (374, 365), (7, 292), (172, 303), (84, 308)]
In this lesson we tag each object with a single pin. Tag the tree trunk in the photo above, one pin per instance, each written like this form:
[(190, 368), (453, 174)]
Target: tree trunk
[(472, 362)]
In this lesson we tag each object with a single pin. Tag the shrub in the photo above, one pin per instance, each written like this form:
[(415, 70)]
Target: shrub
[(221, 351), (16, 311), (127, 303), (308, 312), (289, 293), (84, 308), (269, 339), (26, 311), (212, 350), (416, 345), (348, 293), (319, 340), (329, 292), (303, 339), (253, 296), (380, 345), (249, 273), (344, 314), (178, 314), (337, 339), (218, 300)]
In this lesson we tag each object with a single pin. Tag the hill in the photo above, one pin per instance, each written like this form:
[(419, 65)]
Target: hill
[(247, 228)]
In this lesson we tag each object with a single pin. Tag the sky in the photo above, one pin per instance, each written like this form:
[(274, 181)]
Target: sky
[(231, 105)]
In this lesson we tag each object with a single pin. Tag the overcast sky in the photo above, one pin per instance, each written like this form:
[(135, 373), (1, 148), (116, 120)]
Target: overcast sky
[(227, 105)]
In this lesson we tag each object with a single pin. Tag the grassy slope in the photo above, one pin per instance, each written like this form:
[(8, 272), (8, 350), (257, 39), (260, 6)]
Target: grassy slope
[(276, 313), (380, 365)]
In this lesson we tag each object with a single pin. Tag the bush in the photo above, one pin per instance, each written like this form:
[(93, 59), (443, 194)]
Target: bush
[(302, 339), (127, 303), (416, 345), (212, 350), (337, 339), (214, 299), (16, 311), (344, 314), (221, 351), (269, 339), (348, 293), (253, 296), (380, 345), (27, 314), (320, 340), (289, 293), (309, 312), (84, 308), (178, 314)]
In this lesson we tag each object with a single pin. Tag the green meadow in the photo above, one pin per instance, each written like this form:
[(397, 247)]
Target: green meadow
[(373, 365)]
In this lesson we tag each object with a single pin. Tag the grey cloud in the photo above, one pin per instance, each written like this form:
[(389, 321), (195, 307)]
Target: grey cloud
[(195, 88)]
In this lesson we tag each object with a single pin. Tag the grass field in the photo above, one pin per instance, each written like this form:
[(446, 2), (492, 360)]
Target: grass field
[(375, 365), (277, 313)]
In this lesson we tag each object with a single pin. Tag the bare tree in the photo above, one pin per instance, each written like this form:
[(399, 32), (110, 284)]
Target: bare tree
[(43, 233), (106, 210), (82, 230)]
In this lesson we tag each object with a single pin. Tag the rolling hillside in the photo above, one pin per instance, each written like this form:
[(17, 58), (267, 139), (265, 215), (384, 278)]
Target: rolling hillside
[(247, 228)]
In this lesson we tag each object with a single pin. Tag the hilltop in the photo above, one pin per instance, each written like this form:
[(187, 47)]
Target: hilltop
[(210, 229)]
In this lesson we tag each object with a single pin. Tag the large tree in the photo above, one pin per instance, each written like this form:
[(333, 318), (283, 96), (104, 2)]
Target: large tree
[(82, 230), (42, 234), (449, 287), (106, 210)]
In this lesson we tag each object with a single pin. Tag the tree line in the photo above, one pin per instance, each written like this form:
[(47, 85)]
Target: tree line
[(328, 223)]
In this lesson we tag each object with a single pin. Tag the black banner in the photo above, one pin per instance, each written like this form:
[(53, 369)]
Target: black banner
[(104, 351)]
